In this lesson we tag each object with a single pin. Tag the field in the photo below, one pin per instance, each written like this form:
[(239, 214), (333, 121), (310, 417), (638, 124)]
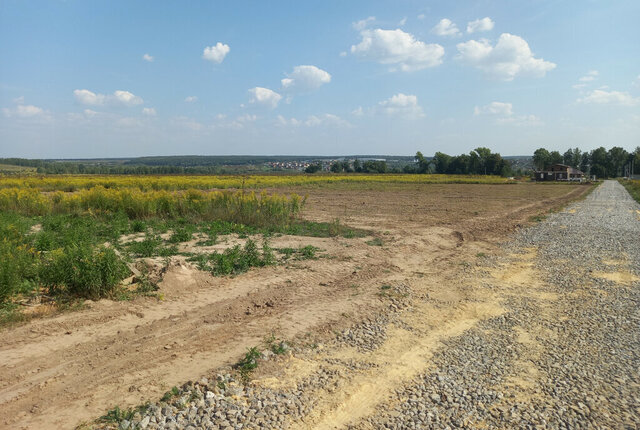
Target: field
[(115, 290)]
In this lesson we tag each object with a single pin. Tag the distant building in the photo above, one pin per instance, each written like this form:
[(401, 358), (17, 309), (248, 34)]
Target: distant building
[(559, 172)]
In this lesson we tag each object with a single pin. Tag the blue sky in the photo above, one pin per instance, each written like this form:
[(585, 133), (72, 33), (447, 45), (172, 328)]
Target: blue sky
[(120, 78)]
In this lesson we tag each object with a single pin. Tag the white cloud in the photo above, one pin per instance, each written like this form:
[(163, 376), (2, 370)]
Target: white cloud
[(495, 108), (343, 54), (90, 113), (19, 100), (592, 75), (502, 113), (191, 99), (398, 48), (216, 53), (636, 83), (147, 57), (282, 121), (401, 105), (358, 112), (326, 119), (363, 23), (126, 98), (421, 16), (610, 97), (510, 57), (148, 111), (446, 28), (403, 21), (484, 24), (264, 97), (24, 111), (120, 97), (578, 86), (520, 120), (305, 78), (87, 97), (247, 118)]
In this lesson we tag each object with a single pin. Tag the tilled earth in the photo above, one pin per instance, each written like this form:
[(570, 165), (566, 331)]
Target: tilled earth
[(438, 327), (561, 349)]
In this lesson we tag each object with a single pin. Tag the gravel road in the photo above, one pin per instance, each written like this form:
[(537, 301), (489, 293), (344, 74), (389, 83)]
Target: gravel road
[(565, 356), (565, 353)]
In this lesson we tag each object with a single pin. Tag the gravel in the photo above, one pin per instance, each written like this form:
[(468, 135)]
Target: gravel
[(588, 355)]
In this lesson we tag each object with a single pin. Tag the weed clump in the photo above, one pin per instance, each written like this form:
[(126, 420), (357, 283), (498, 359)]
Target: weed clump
[(248, 363), (236, 260), (82, 271)]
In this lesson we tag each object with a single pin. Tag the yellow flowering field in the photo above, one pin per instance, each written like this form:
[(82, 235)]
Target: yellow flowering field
[(144, 182)]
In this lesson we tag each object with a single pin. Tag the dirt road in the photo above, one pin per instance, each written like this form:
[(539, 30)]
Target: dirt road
[(430, 279)]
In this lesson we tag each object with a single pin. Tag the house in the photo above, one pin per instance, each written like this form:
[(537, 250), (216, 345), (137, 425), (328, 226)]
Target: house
[(559, 172)]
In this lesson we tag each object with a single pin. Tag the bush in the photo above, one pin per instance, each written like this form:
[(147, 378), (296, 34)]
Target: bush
[(83, 272), (236, 260)]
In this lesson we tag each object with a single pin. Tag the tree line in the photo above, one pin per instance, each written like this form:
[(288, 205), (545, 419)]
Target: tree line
[(600, 162), (480, 161)]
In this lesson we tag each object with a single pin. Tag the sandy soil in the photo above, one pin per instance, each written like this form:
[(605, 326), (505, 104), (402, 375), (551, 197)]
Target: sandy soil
[(58, 372)]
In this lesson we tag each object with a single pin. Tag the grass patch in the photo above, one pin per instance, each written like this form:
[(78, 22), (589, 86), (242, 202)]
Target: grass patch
[(174, 392), (376, 241), (248, 363), (236, 260), (633, 187)]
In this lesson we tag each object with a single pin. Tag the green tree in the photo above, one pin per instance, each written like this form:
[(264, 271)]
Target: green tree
[(541, 159), (617, 159), (441, 162), (313, 168), (483, 156), (422, 164), (555, 157), (357, 167)]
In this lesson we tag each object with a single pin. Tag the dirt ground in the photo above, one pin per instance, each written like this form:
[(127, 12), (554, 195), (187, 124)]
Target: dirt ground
[(61, 371)]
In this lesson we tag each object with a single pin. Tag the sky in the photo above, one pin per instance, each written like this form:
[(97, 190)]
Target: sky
[(98, 78)]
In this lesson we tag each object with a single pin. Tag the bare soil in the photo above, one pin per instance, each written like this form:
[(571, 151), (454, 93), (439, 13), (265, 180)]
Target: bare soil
[(60, 371)]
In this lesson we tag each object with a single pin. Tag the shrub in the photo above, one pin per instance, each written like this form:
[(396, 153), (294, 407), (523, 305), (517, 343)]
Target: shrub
[(83, 271)]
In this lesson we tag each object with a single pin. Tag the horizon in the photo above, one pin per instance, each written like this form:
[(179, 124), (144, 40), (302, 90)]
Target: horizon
[(119, 80)]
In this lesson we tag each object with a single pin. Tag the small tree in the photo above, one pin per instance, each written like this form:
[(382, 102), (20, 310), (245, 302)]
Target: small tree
[(313, 168)]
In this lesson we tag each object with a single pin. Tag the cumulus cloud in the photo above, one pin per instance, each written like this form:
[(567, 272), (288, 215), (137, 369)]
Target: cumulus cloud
[(363, 23), (502, 113), (216, 53), (510, 57), (24, 111), (305, 78), (397, 48), (147, 57), (402, 105), (324, 120), (191, 99), (494, 108), (264, 97), (590, 76), (126, 98), (421, 16), (148, 111), (119, 97), (446, 28), (610, 98), (90, 98), (484, 24)]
